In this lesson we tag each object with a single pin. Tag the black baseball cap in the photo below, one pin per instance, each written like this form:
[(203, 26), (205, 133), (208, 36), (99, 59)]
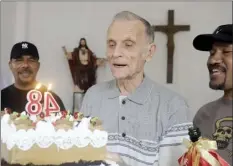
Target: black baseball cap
[(24, 48), (204, 42)]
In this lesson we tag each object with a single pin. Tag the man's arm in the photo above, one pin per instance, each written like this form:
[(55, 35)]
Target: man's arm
[(195, 119), (86, 103), (3, 98), (171, 148), (178, 112), (2, 101)]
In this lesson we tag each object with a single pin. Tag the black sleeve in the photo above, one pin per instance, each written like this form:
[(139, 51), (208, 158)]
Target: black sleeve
[(2, 100), (197, 119), (59, 101), (195, 122)]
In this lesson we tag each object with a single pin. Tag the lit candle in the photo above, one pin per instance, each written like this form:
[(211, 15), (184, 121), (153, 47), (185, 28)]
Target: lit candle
[(38, 86), (49, 87), (34, 97)]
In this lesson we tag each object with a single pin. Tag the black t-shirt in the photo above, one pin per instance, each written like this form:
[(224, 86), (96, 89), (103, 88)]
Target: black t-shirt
[(16, 99)]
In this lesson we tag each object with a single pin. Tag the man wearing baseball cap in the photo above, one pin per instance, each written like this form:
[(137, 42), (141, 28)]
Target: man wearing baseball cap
[(215, 118), (24, 64)]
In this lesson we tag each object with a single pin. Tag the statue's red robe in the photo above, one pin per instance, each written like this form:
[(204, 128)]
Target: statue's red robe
[(84, 76)]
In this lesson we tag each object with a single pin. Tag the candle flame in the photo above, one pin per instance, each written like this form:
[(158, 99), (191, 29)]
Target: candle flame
[(49, 87), (38, 86)]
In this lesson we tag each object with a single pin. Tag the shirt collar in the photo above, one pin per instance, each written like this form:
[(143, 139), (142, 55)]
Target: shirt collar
[(139, 96)]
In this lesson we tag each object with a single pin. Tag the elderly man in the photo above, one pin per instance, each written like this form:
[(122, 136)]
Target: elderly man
[(24, 64), (136, 111), (215, 118)]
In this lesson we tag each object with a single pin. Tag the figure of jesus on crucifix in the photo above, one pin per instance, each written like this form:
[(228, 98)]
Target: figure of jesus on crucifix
[(83, 65)]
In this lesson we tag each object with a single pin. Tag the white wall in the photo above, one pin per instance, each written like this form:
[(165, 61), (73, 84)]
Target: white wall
[(50, 25), (8, 22)]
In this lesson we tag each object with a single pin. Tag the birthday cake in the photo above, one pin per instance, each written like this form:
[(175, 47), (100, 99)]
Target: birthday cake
[(52, 140)]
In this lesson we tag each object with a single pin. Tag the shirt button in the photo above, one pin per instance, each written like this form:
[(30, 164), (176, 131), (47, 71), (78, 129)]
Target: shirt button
[(123, 118), (123, 102), (123, 134)]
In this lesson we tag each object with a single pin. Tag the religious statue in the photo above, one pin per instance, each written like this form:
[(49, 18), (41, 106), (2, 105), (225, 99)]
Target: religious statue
[(83, 64)]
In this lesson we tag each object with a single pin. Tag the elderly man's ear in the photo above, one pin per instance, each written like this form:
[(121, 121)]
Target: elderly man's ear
[(151, 51)]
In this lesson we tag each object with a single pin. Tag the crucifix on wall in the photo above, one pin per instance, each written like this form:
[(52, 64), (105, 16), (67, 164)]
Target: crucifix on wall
[(170, 29)]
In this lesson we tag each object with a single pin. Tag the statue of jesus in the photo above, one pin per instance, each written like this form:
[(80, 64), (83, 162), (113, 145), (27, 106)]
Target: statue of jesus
[(83, 65)]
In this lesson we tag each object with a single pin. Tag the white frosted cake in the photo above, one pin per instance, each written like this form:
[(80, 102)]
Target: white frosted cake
[(54, 140)]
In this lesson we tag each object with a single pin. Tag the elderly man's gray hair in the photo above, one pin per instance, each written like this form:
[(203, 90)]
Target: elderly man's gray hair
[(127, 15)]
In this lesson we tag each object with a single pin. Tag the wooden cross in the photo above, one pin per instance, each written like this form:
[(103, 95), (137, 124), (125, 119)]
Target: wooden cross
[(170, 31)]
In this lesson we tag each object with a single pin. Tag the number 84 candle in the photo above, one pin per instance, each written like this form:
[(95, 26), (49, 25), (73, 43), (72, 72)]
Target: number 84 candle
[(34, 106)]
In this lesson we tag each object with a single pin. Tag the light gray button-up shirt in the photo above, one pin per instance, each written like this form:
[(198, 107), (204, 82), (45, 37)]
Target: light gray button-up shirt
[(137, 124)]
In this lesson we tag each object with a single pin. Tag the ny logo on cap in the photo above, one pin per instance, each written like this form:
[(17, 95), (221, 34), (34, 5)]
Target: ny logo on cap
[(24, 46), (218, 30)]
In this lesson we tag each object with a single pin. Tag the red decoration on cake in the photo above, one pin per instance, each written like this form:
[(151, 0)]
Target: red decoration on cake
[(64, 113), (34, 124), (42, 115), (76, 115), (201, 152)]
